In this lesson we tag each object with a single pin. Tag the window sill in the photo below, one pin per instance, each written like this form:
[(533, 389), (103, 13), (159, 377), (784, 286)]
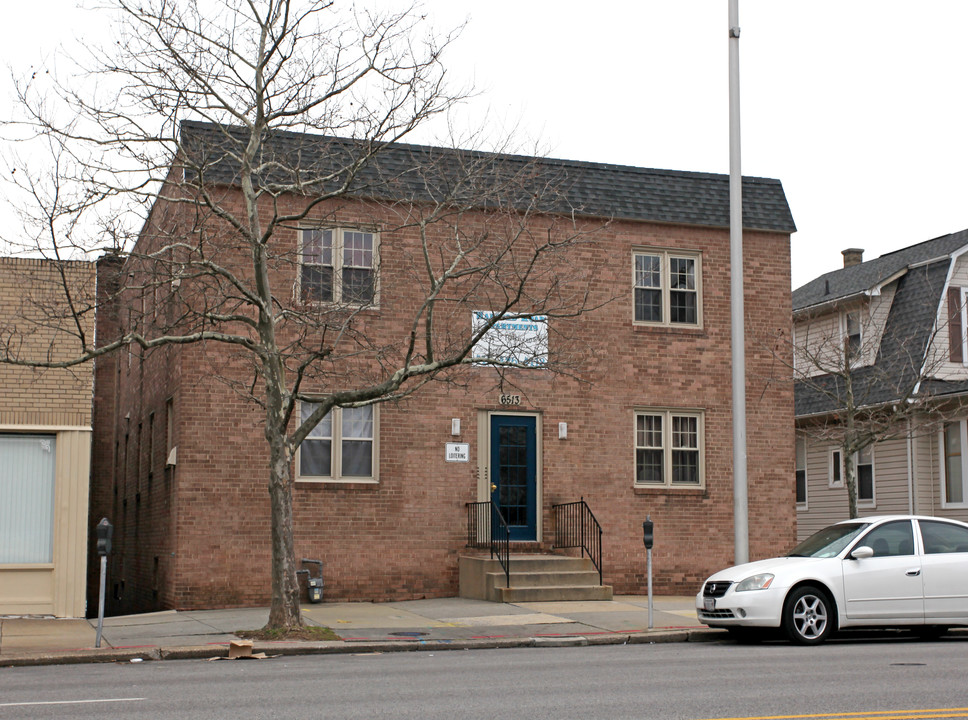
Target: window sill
[(696, 330), (342, 482), (678, 489)]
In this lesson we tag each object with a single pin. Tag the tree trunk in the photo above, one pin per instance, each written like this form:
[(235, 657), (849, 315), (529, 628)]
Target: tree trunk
[(850, 481), (284, 609)]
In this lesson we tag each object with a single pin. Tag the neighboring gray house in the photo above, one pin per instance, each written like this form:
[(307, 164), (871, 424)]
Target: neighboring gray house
[(900, 319)]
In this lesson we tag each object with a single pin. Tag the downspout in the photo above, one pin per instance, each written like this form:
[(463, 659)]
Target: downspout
[(910, 467)]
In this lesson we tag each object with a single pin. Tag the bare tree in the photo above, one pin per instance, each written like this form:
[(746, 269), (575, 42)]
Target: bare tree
[(868, 371), (220, 125)]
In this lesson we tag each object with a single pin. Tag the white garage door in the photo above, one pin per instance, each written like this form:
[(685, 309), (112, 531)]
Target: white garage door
[(26, 498)]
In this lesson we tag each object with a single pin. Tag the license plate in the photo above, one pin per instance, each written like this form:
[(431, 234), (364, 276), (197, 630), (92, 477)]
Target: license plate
[(709, 603)]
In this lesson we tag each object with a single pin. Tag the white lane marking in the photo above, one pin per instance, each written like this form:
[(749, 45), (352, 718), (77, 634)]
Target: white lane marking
[(69, 702)]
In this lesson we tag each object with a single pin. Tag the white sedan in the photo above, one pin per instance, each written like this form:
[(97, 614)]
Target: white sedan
[(889, 571)]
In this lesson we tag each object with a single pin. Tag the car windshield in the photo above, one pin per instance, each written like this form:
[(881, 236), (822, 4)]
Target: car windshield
[(829, 541)]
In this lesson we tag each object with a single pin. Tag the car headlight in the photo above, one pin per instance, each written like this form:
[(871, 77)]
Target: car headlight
[(755, 582)]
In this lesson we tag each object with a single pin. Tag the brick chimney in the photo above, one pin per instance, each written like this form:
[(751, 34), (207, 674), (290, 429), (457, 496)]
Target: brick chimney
[(852, 256)]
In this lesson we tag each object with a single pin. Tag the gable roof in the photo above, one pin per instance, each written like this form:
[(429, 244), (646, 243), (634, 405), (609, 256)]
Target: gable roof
[(412, 172), (851, 281), (904, 343)]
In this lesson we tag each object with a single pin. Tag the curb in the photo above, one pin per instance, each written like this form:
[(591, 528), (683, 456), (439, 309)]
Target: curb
[(278, 649)]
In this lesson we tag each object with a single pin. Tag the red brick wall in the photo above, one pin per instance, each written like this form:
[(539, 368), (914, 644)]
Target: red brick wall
[(198, 535)]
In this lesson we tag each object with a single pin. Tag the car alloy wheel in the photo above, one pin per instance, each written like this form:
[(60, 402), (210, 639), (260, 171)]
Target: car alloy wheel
[(806, 616)]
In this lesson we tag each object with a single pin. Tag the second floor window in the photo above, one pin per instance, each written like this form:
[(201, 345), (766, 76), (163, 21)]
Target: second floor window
[(338, 265), (667, 288)]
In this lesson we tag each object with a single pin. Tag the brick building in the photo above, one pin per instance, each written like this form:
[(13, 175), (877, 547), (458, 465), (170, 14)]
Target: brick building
[(641, 425), (45, 438)]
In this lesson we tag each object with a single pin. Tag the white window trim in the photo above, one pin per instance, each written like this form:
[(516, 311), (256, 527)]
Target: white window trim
[(667, 415), (943, 475), (805, 505), (664, 256), (338, 245), (336, 455)]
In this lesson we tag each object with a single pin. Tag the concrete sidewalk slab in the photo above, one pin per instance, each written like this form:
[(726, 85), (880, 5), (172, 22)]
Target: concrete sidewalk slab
[(367, 615), (457, 607), (19, 635), (508, 619)]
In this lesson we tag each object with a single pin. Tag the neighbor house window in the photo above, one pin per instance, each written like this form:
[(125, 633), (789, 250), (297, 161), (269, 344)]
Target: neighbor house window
[(667, 288), (341, 446), (338, 265), (953, 482), (801, 473), (27, 498), (864, 467), (836, 469), (669, 448), (863, 472), (853, 334)]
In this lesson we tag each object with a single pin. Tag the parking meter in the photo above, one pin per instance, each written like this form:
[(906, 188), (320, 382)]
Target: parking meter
[(105, 531), (647, 538), (647, 535)]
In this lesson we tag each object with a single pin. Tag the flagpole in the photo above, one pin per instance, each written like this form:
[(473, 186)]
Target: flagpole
[(738, 329)]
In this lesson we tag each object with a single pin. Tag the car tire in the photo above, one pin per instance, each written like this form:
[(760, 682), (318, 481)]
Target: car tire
[(807, 616)]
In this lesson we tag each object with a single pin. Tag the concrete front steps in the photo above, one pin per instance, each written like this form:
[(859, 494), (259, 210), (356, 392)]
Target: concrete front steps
[(534, 578)]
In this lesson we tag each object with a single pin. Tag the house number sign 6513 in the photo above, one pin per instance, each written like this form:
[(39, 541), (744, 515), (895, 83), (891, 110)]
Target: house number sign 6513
[(510, 399)]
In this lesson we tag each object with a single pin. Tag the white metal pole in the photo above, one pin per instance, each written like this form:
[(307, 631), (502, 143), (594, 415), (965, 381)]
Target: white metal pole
[(648, 562), (738, 336), (100, 601)]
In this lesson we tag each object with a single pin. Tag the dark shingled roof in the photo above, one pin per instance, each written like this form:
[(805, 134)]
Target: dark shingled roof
[(907, 332), (400, 172), (850, 281)]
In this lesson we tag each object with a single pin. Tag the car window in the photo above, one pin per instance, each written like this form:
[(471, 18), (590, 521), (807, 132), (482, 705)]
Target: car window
[(941, 537), (889, 539), (829, 541)]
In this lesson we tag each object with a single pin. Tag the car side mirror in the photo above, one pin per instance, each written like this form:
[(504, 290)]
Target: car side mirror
[(861, 553)]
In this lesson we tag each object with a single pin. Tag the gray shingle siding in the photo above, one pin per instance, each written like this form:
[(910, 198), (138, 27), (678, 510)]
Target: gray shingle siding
[(421, 174), (846, 282)]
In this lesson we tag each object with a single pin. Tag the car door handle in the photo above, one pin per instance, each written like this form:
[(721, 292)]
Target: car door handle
[(914, 572)]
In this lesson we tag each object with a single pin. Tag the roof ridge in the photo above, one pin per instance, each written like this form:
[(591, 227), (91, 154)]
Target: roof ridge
[(697, 174)]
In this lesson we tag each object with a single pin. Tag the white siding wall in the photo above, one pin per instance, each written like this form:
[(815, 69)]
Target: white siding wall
[(826, 505)]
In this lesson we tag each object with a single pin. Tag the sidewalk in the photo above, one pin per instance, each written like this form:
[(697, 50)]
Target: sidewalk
[(444, 623)]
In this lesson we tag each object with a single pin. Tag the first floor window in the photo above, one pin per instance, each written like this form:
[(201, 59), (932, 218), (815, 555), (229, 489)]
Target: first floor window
[(668, 448), (341, 446), (954, 482), (338, 265), (27, 498), (801, 473)]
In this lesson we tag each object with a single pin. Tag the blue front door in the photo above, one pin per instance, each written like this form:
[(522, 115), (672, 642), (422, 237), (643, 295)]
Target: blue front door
[(514, 473)]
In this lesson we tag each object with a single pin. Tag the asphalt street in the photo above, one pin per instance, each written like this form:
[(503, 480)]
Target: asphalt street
[(883, 677)]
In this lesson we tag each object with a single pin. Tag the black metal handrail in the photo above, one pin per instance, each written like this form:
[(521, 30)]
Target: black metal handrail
[(487, 528), (576, 526)]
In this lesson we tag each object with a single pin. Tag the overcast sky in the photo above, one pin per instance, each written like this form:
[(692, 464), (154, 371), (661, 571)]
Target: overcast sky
[(857, 106)]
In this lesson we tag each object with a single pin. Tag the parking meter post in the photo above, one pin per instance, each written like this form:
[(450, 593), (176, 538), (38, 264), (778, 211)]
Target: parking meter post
[(648, 539), (100, 601), (104, 531)]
